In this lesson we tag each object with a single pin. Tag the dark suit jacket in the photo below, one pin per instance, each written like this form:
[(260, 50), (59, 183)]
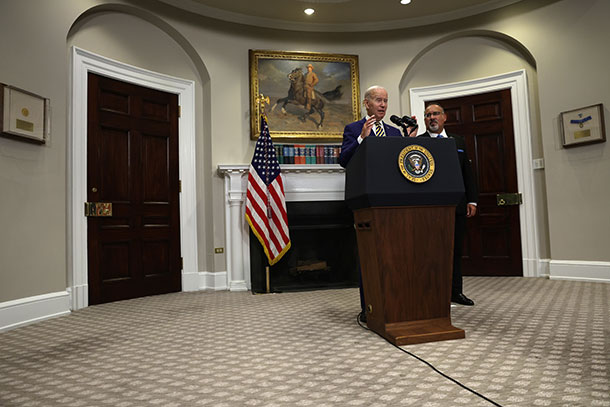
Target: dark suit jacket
[(470, 184), (350, 139)]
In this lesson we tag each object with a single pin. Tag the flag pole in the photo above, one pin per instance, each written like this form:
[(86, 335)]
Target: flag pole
[(261, 100), (260, 104)]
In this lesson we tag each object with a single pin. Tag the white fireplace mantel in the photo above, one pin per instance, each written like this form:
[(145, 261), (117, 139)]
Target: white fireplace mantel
[(320, 182)]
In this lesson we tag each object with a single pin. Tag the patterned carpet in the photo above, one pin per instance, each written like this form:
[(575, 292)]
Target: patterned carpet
[(529, 342)]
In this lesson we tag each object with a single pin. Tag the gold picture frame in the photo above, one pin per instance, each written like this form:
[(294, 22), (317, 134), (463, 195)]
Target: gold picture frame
[(282, 77), (23, 115), (583, 126)]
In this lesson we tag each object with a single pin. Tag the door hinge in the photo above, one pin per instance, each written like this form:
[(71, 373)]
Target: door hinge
[(179, 185), (181, 263), (179, 111)]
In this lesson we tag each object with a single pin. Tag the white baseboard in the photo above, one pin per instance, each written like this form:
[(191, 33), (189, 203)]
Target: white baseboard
[(594, 271), (544, 268), (80, 296), (28, 310), (238, 285), (530, 267), (190, 281), (213, 280)]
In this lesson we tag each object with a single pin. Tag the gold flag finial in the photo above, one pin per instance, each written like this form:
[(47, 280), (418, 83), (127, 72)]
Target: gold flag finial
[(260, 103)]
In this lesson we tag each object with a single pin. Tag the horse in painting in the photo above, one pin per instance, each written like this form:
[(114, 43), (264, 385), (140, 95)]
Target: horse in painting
[(296, 96)]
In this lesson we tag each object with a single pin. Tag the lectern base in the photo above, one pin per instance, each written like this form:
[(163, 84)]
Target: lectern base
[(427, 330)]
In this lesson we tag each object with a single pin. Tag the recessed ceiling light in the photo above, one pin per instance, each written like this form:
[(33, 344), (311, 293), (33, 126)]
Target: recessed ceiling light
[(405, 1), (309, 11)]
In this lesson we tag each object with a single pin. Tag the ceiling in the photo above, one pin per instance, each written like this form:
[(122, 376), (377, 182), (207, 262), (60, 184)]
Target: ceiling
[(338, 15)]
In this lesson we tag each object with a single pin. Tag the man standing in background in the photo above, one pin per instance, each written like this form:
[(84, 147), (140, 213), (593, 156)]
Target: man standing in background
[(435, 118)]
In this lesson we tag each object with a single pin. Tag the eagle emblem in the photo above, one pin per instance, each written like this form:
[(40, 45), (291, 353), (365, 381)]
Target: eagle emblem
[(416, 163)]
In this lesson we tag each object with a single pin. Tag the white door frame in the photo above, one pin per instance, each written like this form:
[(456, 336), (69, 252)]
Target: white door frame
[(84, 62), (517, 83)]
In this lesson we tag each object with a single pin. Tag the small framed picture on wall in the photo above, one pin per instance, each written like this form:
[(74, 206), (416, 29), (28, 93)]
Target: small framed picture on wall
[(583, 126), (24, 115)]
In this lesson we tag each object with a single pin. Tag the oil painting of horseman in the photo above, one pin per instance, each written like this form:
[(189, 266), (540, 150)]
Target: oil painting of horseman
[(311, 95)]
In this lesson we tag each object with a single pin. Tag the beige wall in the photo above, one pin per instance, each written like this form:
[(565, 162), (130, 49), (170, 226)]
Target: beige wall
[(464, 58), (32, 177), (566, 38)]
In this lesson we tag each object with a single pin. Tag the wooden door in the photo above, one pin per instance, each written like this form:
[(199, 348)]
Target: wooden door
[(132, 162), (492, 246)]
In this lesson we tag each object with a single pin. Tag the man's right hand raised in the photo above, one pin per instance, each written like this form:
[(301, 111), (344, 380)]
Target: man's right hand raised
[(368, 125)]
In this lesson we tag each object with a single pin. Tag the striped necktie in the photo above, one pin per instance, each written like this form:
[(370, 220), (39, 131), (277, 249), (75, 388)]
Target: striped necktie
[(379, 131)]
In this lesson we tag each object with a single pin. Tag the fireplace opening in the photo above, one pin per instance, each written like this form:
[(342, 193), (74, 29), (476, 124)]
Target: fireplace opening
[(323, 251)]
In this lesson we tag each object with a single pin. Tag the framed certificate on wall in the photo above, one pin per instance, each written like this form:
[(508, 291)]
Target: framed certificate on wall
[(24, 115), (583, 126)]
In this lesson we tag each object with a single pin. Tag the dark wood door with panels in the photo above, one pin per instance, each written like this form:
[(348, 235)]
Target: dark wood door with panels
[(132, 178), (492, 246)]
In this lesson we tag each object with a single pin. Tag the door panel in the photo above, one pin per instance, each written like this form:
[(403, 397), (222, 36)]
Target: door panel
[(492, 246), (156, 184), (114, 154), (132, 162)]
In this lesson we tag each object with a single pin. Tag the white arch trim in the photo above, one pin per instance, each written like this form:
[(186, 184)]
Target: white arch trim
[(517, 83), (84, 62)]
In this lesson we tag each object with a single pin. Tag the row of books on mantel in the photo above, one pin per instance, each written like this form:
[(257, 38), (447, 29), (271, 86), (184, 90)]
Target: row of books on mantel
[(307, 154)]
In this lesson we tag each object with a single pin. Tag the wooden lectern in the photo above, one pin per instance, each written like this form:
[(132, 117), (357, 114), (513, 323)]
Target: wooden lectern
[(405, 238)]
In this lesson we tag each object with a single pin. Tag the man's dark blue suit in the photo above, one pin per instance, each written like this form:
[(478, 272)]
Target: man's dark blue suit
[(348, 148), (350, 139)]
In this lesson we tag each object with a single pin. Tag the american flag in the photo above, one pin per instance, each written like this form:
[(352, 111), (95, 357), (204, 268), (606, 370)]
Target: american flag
[(265, 200)]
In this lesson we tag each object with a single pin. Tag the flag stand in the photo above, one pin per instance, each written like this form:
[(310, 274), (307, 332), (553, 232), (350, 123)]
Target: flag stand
[(267, 285)]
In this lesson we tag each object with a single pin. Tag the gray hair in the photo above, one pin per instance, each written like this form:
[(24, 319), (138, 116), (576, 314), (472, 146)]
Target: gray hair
[(369, 91)]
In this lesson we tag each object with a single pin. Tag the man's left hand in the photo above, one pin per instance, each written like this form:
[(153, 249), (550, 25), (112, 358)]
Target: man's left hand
[(471, 210)]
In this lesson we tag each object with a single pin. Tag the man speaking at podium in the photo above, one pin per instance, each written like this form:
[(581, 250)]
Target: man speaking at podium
[(376, 103), (435, 118)]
